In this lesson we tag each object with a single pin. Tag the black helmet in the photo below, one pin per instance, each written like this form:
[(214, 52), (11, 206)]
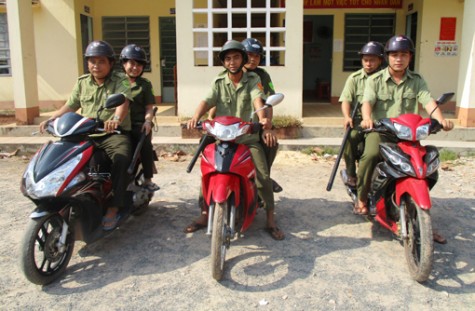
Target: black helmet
[(399, 43), (372, 48), (233, 45), (135, 52), (99, 48), (253, 46)]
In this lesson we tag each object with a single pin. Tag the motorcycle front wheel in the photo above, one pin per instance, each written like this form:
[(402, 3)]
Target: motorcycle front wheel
[(419, 245), (43, 257), (218, 240)]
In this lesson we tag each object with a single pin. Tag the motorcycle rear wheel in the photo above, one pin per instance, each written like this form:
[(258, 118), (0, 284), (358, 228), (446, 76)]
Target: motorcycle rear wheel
[(419, 245), (218, 240), (42, 261)]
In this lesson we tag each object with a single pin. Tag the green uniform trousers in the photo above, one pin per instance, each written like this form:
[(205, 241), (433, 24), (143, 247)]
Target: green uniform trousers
[(350, 152), (367, 163), (118, 149)]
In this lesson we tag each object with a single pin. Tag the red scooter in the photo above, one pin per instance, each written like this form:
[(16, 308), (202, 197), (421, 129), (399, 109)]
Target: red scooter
[(399, 197), (228, 181)]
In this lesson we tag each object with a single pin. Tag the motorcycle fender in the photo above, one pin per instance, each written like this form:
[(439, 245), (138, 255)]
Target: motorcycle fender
[(418, 189), (221, 186)]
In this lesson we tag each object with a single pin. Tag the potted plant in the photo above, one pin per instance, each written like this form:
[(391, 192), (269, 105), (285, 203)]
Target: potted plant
[(287, 127)]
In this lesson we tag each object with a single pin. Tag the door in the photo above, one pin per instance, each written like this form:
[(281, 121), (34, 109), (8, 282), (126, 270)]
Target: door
[(167, 32), (86, 36), (317, 57)]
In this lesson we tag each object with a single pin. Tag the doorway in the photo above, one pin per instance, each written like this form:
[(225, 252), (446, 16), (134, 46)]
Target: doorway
[(167, 31), (86, 37), (317, 58)]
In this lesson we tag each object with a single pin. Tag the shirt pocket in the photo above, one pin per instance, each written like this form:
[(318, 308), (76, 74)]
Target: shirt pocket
[(383, 101), (409, 101), (87, 101)]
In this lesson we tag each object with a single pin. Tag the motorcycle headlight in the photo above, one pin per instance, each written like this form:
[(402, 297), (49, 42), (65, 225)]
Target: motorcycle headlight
[(227, 132), (432, 160), (402, 131), (422, 132), (51, 183), (397, 160)]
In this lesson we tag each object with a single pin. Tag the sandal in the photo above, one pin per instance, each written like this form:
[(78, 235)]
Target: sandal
[(351, 182), (360, 210), (152, 187), (275, 233), (110, 223), (276, 187), (438, 238), (194, 226)]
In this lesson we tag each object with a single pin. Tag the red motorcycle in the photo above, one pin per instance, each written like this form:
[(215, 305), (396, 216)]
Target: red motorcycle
[(399, 197), (228, 181)]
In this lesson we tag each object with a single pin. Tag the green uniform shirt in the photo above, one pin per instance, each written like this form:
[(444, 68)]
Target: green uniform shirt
[(265, 80), (389, 100), (353, 91), (89, 96), (235, 101), (143, 95)]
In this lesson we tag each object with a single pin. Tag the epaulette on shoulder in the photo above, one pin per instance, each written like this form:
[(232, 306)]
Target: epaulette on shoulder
[(84, 76)]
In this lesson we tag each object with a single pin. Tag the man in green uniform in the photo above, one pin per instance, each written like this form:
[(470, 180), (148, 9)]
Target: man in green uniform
[(133, 59), (389, 93), (372, 55), (89, 94), (255, 52), (238, 93)]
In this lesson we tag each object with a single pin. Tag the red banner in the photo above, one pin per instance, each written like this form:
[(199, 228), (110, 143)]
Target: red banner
[(352, 4)]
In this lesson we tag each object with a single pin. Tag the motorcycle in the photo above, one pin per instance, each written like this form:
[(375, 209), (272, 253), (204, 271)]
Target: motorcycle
[(228, 181), (69, 181), (399, 197)]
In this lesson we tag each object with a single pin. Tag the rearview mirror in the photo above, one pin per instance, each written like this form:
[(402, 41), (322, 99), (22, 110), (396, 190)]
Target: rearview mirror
[(445, 98), (275, 99), (114, 100)]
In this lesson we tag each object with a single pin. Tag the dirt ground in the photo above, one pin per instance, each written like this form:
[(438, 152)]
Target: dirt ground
[(330, 259)]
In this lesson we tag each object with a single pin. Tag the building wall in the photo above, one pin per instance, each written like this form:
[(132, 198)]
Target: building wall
[(440, 72), (56, 63), (153, 9)]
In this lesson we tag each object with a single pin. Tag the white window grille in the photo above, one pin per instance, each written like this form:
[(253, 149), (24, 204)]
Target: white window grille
[(215, 22)]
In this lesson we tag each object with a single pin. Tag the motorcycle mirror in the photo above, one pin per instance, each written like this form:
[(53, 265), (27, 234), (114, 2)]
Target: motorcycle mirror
[(445, 98), (275, 99), (114, 100)]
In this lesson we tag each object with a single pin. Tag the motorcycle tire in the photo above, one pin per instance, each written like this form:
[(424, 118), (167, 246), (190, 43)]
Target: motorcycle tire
[(42, 261), (218, 240), (419, 245)]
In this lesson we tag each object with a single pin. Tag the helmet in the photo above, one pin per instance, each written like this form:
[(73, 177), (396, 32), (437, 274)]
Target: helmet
[(253, 46), (233, 45), (99, 48), (135, 52), (399, 43), (372, 48)]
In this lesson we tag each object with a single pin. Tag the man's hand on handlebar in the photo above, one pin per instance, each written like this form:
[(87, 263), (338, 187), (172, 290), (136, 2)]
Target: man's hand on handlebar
[(111, 125), (367, 124), (447, 125)]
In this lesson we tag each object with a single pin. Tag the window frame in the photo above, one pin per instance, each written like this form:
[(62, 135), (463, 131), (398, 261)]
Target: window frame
[(5, 40)]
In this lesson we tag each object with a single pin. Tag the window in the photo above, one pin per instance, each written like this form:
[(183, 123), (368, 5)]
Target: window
[(122, 30), (5, 63), (361, 28), (215, 22)]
